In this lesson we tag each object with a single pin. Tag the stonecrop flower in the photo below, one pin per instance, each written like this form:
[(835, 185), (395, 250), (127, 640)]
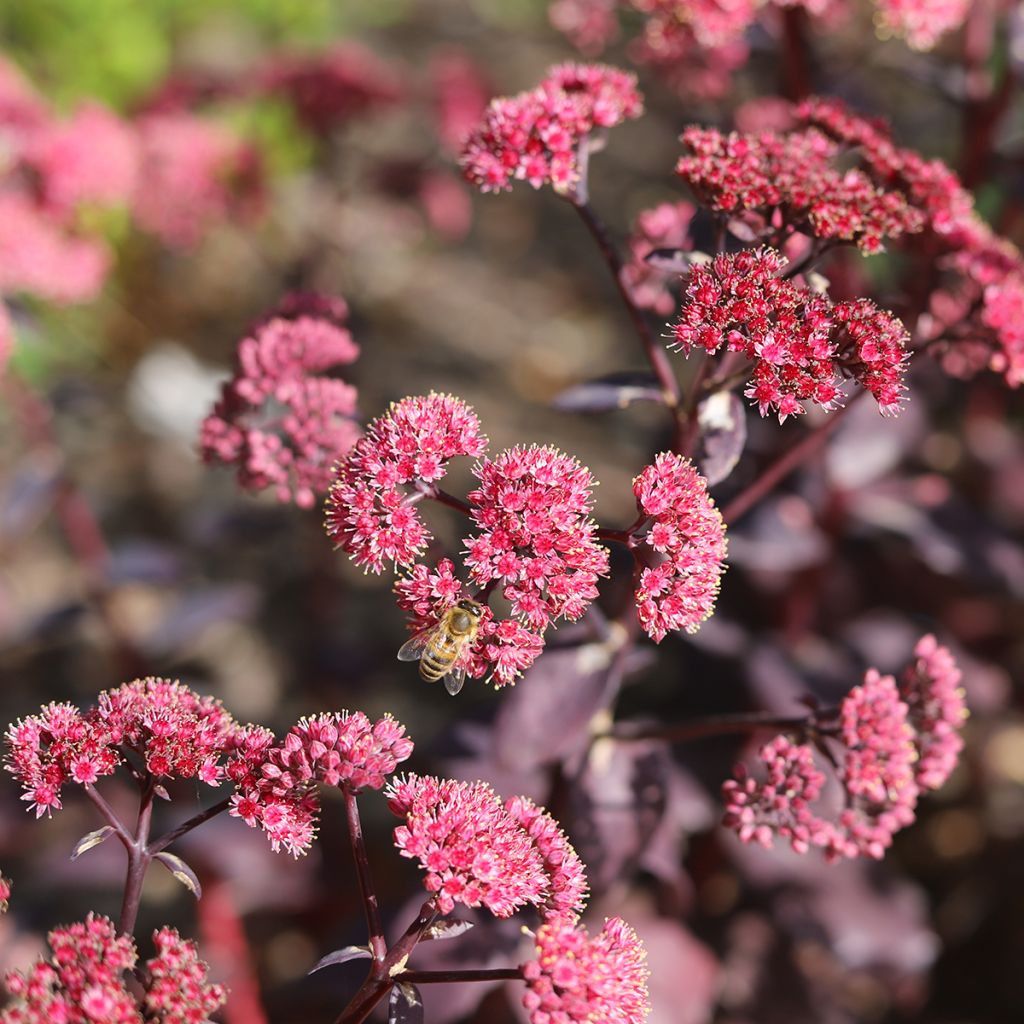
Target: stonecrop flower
[(795, 174), (194, 174), (536, 136), (84, 981), (577, 978), (802, 345), (666, 226), (895, 741), (276, 783), (279, 419), (922, 22), (937, 710), (369, 512), (536, 539), (684, 547), (473, 851), (567, 877), (503, 648), (176, 732)]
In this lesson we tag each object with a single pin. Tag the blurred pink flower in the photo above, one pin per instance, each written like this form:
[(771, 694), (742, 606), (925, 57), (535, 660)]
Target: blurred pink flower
[(686, 537), (535, 136), (472, 850), (194, 174), (279, 419), (460, 93), (5, 893), (922, 22), (578, 979), (368, 509), (666, 226)]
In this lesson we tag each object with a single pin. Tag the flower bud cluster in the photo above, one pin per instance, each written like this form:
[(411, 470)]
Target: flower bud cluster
[(897, 741), (800, 343), (279, 419), (536, 136), (85, 980), (276, 783)]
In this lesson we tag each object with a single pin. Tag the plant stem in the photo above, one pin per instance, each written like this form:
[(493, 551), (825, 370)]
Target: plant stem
[(384, 974), (444, 498), (713, 725), (161, 844), (139, 859), (654, 352), (442, 977), (378, 945), (785, 464)]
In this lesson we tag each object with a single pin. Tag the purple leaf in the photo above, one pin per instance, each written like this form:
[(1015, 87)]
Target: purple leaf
[(91, 839), (342, 956), (675, 261), (446, 929), (182, 872), (405, 1005), (616, 391), (722, 418)]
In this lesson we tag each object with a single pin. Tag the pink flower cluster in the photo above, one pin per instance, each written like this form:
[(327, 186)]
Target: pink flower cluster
[(896, 741), (478, 851), (503, 648), (5, 893), (279, 418), (793, 174), (175, 732), (369, 513), (536, 136), (983, 306), (685, 536), (801, 345), (84, 981), (275, 784), (577, 978), (536, 539), (922, 22), (664, 227)]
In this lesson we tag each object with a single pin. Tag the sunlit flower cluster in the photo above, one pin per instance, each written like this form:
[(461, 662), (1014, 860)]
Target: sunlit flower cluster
[(85, 980), (536, 136), (174, 731), (577, 978), (280, 419), (895, 741), (276, 783), (683, 538), (922, 22), (801, 345), (370, 512)]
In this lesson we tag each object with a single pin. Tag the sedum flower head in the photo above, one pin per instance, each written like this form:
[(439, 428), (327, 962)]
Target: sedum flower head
[(684, 544), (536, 539), (535, 136), (473, 851), (279, 419), (368, 510), (84, 981), (577, 978)]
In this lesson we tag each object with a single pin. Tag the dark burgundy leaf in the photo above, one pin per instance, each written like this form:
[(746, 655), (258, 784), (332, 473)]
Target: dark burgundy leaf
[(674, 261), (182, 872), (405, 1005), (722, 418), (341, 956), (447, 929), (91, 839), (616, 391)]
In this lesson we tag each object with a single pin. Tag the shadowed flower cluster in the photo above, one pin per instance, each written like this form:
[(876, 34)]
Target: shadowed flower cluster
[(280, 419), (537, 136), (802, 345), (85, 981), (276, 783), (174, 731), (897, 741)]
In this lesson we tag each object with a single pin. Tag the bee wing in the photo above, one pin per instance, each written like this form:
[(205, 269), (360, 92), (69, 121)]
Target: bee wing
[(415, 646), (454, 680)]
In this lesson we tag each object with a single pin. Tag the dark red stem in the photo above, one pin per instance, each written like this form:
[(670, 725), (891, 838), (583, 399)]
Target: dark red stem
[(785, 464), (385, 973), (161, 844), (443, 977), (378, 945)]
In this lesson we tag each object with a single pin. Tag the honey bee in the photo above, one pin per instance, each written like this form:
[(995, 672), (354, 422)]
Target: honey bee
[(440, 646)]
